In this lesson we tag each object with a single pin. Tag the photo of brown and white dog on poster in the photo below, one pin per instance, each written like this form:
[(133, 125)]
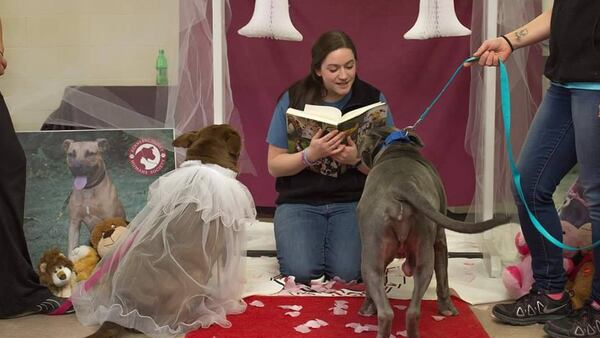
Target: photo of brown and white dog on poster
[(75, 178), (94, 197)]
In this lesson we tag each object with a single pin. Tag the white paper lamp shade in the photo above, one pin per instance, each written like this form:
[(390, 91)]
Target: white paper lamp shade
[(437, 18), (271, 19)]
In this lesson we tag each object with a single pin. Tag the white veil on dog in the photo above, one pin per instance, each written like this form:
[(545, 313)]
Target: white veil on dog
[(181, 267)]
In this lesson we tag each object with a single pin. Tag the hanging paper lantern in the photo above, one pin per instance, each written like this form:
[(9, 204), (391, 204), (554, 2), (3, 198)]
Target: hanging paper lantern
[(271, 19), (437, 18)]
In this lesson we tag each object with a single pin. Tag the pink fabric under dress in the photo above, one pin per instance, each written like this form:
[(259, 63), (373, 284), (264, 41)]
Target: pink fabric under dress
[(182, 266)]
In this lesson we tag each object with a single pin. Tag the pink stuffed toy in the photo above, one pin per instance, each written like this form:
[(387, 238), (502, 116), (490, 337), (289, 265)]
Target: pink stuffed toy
[(577, 232), (518, 278)]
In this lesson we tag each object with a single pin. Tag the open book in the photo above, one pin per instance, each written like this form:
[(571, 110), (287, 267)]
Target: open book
[(302, 125)]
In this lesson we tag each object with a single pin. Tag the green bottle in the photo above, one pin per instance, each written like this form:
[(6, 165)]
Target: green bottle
[(161, 69)]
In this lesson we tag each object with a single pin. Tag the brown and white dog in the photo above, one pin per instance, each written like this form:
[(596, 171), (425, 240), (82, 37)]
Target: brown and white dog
[(94, 196), (216, 144)]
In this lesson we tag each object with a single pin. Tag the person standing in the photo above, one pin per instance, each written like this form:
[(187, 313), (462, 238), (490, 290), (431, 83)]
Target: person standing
[(564, 132), (21, 293)]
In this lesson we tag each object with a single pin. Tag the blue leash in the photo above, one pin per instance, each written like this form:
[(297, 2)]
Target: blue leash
[(505, 94), (402, 136)]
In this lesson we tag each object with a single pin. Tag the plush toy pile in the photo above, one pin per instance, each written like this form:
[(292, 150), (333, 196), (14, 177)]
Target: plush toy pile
[(577, 232), (60, 273)]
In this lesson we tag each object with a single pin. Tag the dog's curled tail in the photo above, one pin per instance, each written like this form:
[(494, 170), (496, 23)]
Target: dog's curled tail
[(409, 193)]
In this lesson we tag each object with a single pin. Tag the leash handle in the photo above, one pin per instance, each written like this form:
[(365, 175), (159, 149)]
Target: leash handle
[(506, 111)]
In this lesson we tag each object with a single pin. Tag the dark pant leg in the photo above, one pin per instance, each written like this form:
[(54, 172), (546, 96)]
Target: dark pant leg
[(586, 119), (19, 283)]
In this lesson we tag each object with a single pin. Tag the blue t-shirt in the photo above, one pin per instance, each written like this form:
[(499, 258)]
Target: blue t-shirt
[(277, 135)]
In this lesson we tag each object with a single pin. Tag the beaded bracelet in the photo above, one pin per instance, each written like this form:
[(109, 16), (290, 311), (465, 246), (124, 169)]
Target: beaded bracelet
[(305, 159)]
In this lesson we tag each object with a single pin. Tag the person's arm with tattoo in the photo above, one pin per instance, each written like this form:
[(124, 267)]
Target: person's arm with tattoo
[(500, 48)]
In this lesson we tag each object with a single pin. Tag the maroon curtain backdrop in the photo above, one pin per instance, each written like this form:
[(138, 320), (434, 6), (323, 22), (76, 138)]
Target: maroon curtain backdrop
[(409, 72)]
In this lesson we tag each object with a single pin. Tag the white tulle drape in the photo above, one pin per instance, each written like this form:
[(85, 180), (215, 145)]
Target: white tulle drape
[(182, 266), (525, 68), (191, 102)]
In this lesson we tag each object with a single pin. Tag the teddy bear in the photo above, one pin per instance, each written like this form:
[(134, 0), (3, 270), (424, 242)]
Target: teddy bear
[(579, 284), (84, 258), (108, 234), (56, 273)]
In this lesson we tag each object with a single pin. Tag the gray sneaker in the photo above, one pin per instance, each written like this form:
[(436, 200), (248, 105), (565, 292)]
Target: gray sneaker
[(534, 307), (582, 323)]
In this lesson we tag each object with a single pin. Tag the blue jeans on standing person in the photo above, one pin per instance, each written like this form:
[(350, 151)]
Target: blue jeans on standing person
[(317, 240), (564, 132)]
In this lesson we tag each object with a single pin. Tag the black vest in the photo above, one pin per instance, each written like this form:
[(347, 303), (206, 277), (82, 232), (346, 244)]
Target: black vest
[(308, 187), (574, 42)]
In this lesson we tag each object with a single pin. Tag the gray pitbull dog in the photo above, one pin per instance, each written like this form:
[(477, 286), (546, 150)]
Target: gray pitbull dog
[(94, 196), (402, 213)]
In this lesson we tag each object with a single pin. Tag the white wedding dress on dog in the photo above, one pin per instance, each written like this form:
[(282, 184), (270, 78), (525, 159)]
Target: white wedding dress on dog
[(182, 266)]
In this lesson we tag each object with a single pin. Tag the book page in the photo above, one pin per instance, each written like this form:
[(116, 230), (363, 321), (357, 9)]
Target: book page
[(358, 111), (358, 127), (325, 114)]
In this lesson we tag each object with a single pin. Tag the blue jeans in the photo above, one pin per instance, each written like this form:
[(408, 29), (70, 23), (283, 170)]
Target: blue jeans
[(317, 240), (564, 132)]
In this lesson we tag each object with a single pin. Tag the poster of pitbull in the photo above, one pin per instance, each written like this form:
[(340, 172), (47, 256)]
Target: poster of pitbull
[(77, 178), (94, 197)]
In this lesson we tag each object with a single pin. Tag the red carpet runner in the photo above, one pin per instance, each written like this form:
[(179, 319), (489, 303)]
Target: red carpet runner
[(271, 321)]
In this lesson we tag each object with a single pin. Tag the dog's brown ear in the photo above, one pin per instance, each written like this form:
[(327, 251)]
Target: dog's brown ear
[(67, 144), (102, 144), (185, 140), (234, 144), (43, 267)]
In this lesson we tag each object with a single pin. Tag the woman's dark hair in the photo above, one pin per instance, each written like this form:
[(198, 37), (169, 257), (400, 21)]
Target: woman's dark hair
[(310, 89)]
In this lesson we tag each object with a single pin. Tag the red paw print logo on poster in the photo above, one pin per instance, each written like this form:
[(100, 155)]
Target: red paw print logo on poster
[(147, 156)]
